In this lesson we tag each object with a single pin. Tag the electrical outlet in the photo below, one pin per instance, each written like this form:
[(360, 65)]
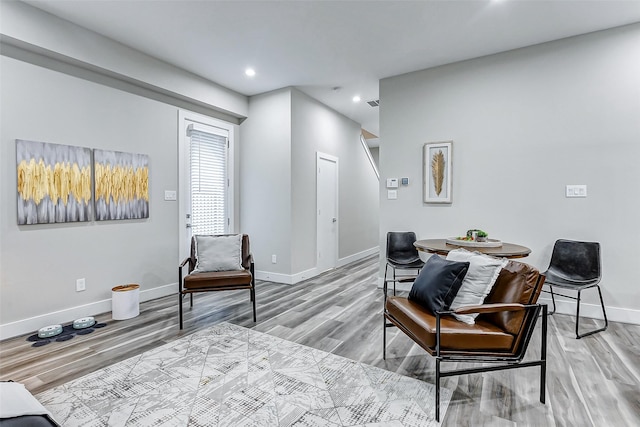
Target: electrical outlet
[(80, 285), (274, 259), (573, 190)]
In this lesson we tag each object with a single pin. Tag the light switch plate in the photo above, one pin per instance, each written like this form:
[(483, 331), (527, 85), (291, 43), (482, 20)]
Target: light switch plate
[(573, 190), (392, 182), (392, 194), (170, 195)]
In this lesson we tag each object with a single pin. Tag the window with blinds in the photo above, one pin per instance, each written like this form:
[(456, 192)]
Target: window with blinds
[(209, 184)]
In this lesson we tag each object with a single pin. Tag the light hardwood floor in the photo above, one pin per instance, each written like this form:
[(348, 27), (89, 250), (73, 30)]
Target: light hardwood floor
[(594, 381)]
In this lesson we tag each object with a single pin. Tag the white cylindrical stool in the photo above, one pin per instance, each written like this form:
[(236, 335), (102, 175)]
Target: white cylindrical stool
[(125, 301)]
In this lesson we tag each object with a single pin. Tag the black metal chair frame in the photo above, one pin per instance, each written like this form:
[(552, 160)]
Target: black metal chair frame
[(579, 290), (400, 266), (578, 286), (506, 362)]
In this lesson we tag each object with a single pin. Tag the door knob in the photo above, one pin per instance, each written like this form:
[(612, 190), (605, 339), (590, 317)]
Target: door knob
[(334, 220)]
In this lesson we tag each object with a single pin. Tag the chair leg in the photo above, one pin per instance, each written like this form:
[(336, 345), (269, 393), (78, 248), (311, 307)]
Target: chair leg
[(437, 389), (253, 300), (394, 281), (553, 299), (384, 337), (180, 305), (606, 322), (384, 284), (191, 299), (543, 355)]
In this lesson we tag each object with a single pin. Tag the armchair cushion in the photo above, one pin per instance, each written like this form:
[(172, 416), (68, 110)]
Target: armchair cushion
[(477, 283), (218, 253), (438, 283), (217, 279)]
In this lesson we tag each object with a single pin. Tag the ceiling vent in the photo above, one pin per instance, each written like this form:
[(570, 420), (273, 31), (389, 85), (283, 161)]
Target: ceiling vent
[(374, 103)]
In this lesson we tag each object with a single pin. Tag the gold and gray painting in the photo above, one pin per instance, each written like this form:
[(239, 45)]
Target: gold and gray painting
[(54, 183), (121, 185)]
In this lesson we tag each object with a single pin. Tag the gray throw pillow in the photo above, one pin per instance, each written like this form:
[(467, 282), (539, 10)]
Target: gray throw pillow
[(218, 253)]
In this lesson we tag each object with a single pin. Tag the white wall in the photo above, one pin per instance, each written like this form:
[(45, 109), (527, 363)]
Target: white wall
[(279, 142), (64, 84), (375, 153), (34, 30), (315, 127), (40, 263), (524, 124), (265, 180)]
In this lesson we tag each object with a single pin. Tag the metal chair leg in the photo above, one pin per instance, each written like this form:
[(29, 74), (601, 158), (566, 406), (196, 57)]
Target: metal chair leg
[(437, 389), (384, 338), (553, 299), (180, 305), (253, 299), (606, 321), (394, 281), (384, 283), (543, 354)]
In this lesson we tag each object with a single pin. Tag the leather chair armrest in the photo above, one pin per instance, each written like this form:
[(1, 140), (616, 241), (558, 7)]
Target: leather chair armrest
[(180, 267)]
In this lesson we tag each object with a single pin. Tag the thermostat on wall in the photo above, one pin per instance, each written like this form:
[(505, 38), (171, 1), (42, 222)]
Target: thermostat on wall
[(392, 182)]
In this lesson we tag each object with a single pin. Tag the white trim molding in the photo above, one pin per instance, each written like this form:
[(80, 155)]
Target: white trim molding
[(32, 324), (287, 279), (357, 256), (593, 311), (292, 279)]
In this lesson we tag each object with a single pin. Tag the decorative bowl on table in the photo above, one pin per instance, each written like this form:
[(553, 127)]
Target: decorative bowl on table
[(458, 241), (475, 238)]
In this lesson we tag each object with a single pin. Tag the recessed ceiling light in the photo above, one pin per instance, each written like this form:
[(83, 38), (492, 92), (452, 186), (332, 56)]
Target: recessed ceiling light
[(356, 98), (250, 72)]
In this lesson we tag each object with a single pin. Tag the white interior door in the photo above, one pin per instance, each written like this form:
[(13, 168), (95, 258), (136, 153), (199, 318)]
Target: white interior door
[(327, 206)]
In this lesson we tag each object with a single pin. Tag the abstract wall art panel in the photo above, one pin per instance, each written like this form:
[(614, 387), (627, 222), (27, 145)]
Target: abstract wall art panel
[(54, 183), (121, 185)]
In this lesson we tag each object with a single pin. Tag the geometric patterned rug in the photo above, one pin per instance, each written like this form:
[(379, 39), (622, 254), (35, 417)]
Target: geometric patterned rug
[(228, 375)]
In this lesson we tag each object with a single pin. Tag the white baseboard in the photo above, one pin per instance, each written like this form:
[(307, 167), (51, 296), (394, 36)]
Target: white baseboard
[(287, 279), (32, 324), (358, 256), (292, 279), (593, 311)]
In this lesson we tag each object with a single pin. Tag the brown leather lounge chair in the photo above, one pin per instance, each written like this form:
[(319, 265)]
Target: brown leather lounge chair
[(212, 281), (500, 335)]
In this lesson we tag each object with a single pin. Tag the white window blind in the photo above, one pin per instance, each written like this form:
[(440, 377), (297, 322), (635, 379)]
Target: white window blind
[(208, 164)]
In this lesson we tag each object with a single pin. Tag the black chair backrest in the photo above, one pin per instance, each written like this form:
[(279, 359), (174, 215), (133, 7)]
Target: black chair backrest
[(578, 261), (400, 247)]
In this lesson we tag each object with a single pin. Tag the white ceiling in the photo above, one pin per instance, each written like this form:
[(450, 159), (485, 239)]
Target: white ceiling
[(320, 45)]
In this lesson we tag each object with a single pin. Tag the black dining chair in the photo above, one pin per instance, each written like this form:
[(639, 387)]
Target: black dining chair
[(402, 255), (575, 266)]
